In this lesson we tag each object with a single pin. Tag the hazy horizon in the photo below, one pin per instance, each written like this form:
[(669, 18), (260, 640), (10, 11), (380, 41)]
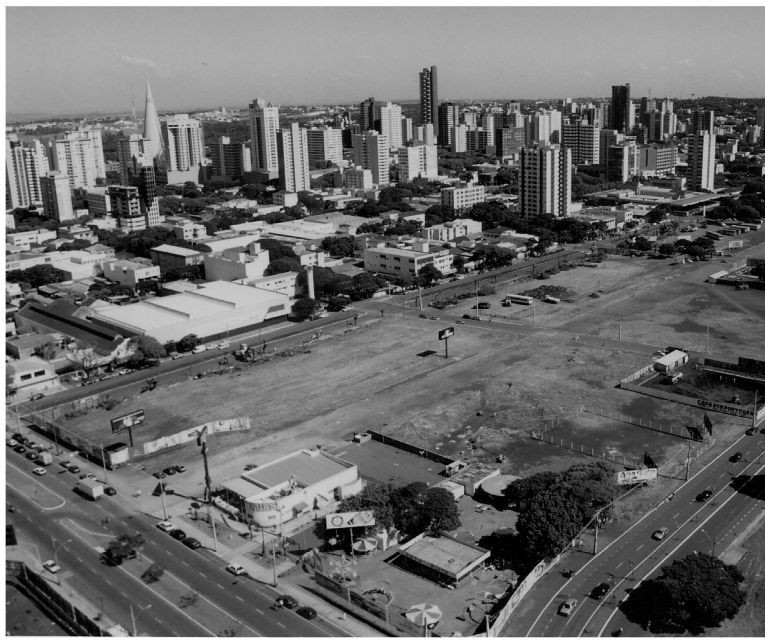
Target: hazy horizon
[(95, 58)]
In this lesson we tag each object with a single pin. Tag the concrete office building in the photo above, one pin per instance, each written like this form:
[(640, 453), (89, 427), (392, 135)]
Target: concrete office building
[(702, 120), (429, 97), (390, 124), (508, 141), (621, 108), (448, 118), (185, 148), (407, 131), (99, 203), (358, 178), (406, 263), (658, 160), (130, 273), (370, 151), (264, 123), (292, 149), (417, 161), (545, 181), (622, 161), (463, 196), (129, 150), (146, 181), (459, 139), (230, 161), (25, 165), (325, 144), (174, 258), (584, 142), (57, 197), (237, 263), (126, 207), (701, 161)]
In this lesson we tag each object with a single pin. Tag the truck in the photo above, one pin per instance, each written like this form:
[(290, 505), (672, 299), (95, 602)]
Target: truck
[(44, 458), (90, 488)]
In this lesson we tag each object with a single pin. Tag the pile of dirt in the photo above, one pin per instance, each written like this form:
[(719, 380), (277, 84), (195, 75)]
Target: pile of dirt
[(562, 293)]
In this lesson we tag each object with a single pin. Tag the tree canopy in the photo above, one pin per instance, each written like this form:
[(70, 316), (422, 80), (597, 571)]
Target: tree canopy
[(36, 276), (146, 350), (305, 308)]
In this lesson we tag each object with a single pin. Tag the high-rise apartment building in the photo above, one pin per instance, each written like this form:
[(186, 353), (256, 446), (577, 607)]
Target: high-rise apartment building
[(292, 145), (448, 118), (370, 151), (545, 187), (57, 197), (325, 144), (264, 123), (369, 114), (658, 160), (621, 108), (146, 182), (701, 160), (229, 160), (407, 131), (622, 161), (584, 142), (702, 120), (508, 141), (126, 207), (80, 155), (429, 97), (390, 124), (25, 165), (459, 139), (185, 144), (129, 150), (417, 161)]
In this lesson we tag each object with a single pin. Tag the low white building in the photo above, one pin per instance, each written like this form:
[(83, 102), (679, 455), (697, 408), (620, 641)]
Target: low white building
[(189, 231), (236, 263), (452, 229), (283, 282), (463, 196), (32, 375), (130, 273), (25, 240), (406, 263)]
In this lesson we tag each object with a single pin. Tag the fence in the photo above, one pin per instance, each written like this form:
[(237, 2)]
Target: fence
[(410, 448), (669, 429), (637, 374), (588, 451), (41, 591)]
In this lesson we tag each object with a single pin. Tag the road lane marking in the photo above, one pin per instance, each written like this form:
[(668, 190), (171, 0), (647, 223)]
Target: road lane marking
[(219, 585), (639, 547), (675, 516), (279, 623), (202, 575), (259, 611), (240, 599), (620, 564)]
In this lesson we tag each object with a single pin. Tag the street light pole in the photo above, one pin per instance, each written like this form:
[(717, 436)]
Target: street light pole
[(713, 540), (134, 617), (55, 552)]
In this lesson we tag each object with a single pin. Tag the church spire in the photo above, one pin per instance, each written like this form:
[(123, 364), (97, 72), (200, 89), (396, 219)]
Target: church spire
[(153, 146)]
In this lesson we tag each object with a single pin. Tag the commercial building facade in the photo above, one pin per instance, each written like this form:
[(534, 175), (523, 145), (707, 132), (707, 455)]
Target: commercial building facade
[(701, 161), (417, 161), (463, 196), (370, 151), (406, 263), (57, 196), (325, 144)]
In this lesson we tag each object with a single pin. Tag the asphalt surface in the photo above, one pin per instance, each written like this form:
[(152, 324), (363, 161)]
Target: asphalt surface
[(77, 526), (636, 555)]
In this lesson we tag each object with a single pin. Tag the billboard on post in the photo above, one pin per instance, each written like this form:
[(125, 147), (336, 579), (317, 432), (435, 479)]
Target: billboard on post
[(637, 476), (446, 332), (350, 519), (127, 421)]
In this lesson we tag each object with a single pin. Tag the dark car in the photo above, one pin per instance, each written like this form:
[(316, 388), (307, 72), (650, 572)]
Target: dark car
[(178, 534), (285, 600), (18, 437), (751, 431), (170, 471), (600, 591), (736, 457), (73, 468), (19, 449), (110, 491), (308, 613), (704, 495), (31, 455), (159, 475), (191, 543)]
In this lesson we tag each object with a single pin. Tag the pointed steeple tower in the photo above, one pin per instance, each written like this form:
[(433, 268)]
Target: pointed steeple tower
[(153, 145)]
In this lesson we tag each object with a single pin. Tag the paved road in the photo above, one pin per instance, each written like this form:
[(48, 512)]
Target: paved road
[(636, 555), (241, 601)]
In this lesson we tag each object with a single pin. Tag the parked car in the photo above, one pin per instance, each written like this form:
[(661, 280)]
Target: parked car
[(199, 349), (110, 491), (87, 476), (736, 457), (599, 592), (191, 543), (704, 495), (36, 396), (308, 613), (31, 455), (285, 600), (236, 570), (567, 607), (224, 346), (11, 442), (19, 449), (73, 468), (166, 526), (178, 534), (170, 471), (660, 533), (65, 463), (179, 468), (31, 444), (751, 431), (159, 475), (51, 566), (39, 471)]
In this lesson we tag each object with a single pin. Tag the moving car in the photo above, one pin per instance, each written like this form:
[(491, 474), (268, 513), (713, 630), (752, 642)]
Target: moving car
[(191, 543), (31, 455), (236, 570), (86, 476), (704, 495), (11, 442), (73, 468), (308, 613), (660, 533), (110, 491), (736, 457), (567, 607), (39, 471), (178, 534), (166, 526), (599, 592), (52, 566), (285, 600)]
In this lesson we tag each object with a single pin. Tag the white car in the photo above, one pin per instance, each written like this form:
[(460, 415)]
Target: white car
[(11, 442), (166, 525), (199, 349), (212, 347), (51, 566), (39, 471), (236, 570), (223, 346), (567, 607)]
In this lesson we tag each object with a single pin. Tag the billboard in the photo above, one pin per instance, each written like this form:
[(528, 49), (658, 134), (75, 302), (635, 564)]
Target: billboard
[(350, 519), (636, 477), (126, 421), (446, 332)]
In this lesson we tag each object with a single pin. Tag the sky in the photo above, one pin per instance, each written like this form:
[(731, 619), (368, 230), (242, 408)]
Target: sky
[(65, 60)]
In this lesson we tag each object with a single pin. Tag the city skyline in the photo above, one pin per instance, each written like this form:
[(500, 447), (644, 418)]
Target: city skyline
[(383, 50)]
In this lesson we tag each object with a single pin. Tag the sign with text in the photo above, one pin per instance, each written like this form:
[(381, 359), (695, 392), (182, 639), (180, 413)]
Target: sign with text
[(446, 332), (127, 421), (637, 476), (350, 519)]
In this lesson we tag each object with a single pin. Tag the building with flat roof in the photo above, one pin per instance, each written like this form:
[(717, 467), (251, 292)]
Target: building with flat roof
[(286, 488), (170, 258), (463, 196), (442, 559), (210, 311), (130, 273), (237, 263), (32, 375), (406, 263)]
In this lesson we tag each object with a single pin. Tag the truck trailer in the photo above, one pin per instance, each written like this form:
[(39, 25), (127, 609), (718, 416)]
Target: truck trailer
[(90, 488)]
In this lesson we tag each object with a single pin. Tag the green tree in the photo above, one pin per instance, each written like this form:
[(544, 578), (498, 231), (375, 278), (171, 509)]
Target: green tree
[(375, 496), (338, 246), (364, 285), (284, 264), (548, 524), (667, 249), (440, 510), (691, 595), (428, 275), (188, 343), (520, 492), (407, 503), (146, 350), (305, 308), (46, 351), (37, 276)]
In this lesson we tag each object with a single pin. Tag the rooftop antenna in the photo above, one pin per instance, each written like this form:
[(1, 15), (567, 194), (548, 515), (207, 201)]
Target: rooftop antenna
[(132, 103)]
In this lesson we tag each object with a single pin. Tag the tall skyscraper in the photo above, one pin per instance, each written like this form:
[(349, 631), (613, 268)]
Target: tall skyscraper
[(701, 161), (146, 182), (264, 123), (80, 155), (370, 151), (229, 160), (185, 144), (153, 145), (368, 114), (459, 139), (407, 131), (545, 181), (126, 207), (584, 142), (292, 146), (702, 120), (129, 150), (390, 124), (16, 188), (429, 97), (448, 118), (325, 144), (57, 197), (621, 106)]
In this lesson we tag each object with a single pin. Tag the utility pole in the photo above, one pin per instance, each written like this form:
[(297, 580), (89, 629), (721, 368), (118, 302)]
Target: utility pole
[(103, 464), (754, 414), (707, 345), (162, 495), (533, 312), (620, 330), (688, 464), (273, 560)]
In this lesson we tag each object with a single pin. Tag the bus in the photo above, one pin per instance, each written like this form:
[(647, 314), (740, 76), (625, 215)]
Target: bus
[(520, 299)]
